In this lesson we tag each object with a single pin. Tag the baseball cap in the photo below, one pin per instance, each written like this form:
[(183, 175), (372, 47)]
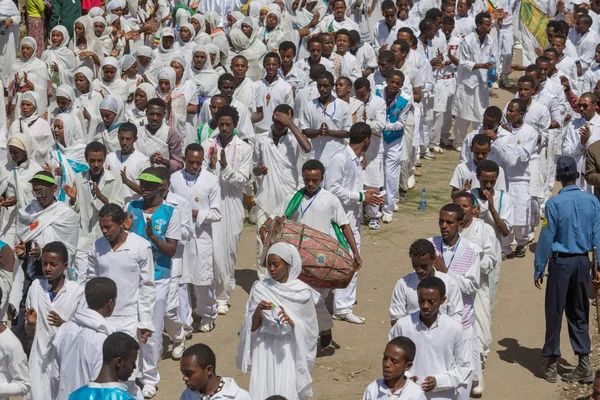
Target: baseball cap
[(168, 32), (581, 2), (565, 166)]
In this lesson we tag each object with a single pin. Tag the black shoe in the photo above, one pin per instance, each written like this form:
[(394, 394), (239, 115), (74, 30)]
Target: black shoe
[(549, 371), (582, 373), (326, 339)]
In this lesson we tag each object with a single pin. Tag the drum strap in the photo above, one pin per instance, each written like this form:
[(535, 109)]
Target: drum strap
[(293, 206)]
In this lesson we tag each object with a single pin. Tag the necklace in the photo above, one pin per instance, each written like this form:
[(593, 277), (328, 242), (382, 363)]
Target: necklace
[(219, 388)]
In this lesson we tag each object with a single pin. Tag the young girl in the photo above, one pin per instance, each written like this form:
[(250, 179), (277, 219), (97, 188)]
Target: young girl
[(87, 100), (32, 124), (143, 93), (281, 362), (59, 58)]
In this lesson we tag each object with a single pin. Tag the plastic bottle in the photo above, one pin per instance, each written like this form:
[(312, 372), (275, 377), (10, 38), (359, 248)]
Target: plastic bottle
[(491, 75), (423, 202), (285, 327)]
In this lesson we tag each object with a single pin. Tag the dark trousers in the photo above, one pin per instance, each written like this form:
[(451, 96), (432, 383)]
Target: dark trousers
[(566, 290)]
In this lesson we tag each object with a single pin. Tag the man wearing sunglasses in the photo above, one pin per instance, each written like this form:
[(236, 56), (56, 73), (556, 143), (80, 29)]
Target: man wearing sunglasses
[(581, 133), (43, 221)]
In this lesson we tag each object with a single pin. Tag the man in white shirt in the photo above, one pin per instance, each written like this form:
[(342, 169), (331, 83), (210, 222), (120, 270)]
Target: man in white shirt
[(199, 368), (589, 80), (91, 191), (472, 94), (246, 90), (128, 162), (315, 51), (585, 40), (276, 91), (201, 189), (342, 43), (356, 108), (564, 64), (309, 92), (339, 64), (325, 120), (134, 277), (364, 53), (230, 159), (344, 180), (405, 300), (289, 71), (337, 20), (398, 358), (442, 363), (387, 27), (275, 160), (78, 343), (519, 177)]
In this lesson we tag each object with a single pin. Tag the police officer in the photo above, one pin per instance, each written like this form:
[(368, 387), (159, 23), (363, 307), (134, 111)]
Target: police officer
[(570, 231)]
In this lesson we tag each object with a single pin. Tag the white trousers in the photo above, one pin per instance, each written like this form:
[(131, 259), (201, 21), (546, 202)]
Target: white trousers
[(344, 299), (407, 161), (261, 218), (184, 310), (426, 123), (391, 173), (151, 350), (460, 129), (323, 317), (442, 124), (483, 317), (128, 325), (206, 303), (506, 49)]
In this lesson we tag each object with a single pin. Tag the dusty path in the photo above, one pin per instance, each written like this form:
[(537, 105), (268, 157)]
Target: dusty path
[(518, 320)]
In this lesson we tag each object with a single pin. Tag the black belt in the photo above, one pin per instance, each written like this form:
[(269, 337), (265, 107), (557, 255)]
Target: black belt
[(567, 255)]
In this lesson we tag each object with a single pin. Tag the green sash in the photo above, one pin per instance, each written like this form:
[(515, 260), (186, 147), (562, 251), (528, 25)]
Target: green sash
[(293, 206)]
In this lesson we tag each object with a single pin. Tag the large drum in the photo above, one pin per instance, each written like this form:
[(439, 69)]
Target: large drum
[(325, 263)]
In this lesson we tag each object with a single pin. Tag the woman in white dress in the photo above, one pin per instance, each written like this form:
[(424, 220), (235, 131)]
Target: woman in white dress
[(218, 56), (87, 100), (67, 157), (185, 42), (105, 128), (199, 25), (241, 47), (86, 46), (281, 362), (203, 73), (29, 74), (146, 65), (65, 100), (253, 32), (274, 32), (130, 75), (164, 53), (32, 124), (109, 80), (9, 16), (59, 58), (103, 32), (143, 94)]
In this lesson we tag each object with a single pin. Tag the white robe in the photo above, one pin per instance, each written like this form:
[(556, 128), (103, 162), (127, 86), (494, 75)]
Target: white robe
[(230, 391), (14, 371), (65, 304), (149, 143), (133, 164), (378, 390)]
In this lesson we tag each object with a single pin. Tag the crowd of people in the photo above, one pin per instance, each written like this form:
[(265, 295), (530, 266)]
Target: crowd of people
[(136, 136)]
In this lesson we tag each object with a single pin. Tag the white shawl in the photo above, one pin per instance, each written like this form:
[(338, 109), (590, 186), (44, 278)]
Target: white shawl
[(64, 59), (149, 143), (117, 88), (206, 77)]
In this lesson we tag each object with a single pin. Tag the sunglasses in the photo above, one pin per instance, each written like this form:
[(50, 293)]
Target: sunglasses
[(41, 193), (582, 106)]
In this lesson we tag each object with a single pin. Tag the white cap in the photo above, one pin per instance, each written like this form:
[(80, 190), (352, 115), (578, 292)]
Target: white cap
[(168, 32), (581, 2)]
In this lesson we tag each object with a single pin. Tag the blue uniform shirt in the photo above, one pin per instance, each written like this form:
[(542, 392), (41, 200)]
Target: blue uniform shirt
[(102, 391), (572, 226)]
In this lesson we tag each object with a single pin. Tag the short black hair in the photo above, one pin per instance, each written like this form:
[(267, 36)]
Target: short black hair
[(57, 248), (316, 70), (448, 20), (464, 195), (272, 54), (345, 78), (404, 45), (552, 50), (118, 344), (388, 56), (203, 355), (387, 5), (494, 112), (334, 1), (314, 39), (433, 14), (554, 25), (94, 147), (219, 96), (487, 166), (586, 19), (239, 56), (313, 165), (226, 77), (398, 73), (359, 132), (433, 282), (354, 36), (542, 59), (326, 75), (456, 209), (343, 32), (361, 82), (113, 211), (421, 247), (128, 127), (522, 104), (481, 140), (481, 16), (444, 6), (526, 79), (276, 397), (228, 111), (99, 291), (287, 45), (158, 102), (160, 172), (408, 347), (284, 108), (535, 69), (193, 147)]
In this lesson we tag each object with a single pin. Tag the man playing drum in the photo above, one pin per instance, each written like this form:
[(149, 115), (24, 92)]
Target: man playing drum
[(319, 209)]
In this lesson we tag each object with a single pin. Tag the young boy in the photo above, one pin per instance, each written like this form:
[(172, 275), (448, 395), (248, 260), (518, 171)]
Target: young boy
[(128, 162), (201, 189), (78, 343), (405, 300), (289, 71), (199, 368), (343, 88), (14, 366), (441, 364), (119, 354), (91, 191), (398, 358), (160, 224), (50, 303)]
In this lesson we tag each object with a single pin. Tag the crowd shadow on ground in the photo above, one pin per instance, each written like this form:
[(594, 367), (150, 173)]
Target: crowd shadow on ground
[(529, 358)]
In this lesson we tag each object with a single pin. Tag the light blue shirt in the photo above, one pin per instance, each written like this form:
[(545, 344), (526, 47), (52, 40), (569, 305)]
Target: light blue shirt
[(102, 391), (573, 226)]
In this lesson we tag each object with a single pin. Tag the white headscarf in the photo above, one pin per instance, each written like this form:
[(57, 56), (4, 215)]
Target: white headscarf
[(113, 104), (222, 45), (206, 78), (67, 92), (106, 37), (95, 12), (74, 138), (201, 36), (35, 126), (185, 48), (212, 19), (117, 87), (276, 35), (135, 115), (8, 9), (34, 99), (241, 47), (298, 300), (167, 73), (37, 72), (63, 57), (93, 43)]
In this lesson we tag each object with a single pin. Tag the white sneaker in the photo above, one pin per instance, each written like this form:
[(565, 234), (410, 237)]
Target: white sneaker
[(458, 148), (477, 390), (178, 349), (350, 317), (222, 309), (427, 155), (436, 149), (149, 391), (411, 182), (252, 218), (387, 219), (205, 328), (396, 208)]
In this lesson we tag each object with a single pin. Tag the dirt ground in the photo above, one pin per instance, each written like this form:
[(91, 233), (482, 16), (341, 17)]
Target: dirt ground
[(512, 370)]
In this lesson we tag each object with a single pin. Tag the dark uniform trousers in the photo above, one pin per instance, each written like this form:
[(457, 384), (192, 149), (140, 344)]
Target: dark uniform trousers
[(567, 288)]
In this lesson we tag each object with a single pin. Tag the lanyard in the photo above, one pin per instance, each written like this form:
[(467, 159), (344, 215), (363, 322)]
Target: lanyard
[(185, 174), (324, 108), (52, 297), (453, 253), (302, 212)]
